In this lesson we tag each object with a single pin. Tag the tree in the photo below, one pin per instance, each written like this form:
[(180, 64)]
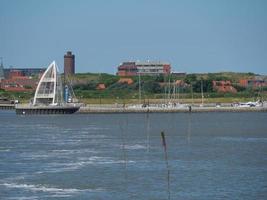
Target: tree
[(159, 78), (239, 88), (89, 86), (206, 84), (151, 87), (190, 78)]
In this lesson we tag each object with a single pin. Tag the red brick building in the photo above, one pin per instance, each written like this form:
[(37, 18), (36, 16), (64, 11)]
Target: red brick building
[(128, 81), (254, 83), (144, 68), (223, 86), (101, 86), (17, 82)]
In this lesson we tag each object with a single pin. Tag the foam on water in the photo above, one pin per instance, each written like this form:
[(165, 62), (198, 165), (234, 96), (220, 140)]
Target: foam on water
[(56, 167), (57, 152), (242, 139), (4, 150), (23, 198), (94, 160), (94, 136), (134, 147), (35, 156), (42, 188)]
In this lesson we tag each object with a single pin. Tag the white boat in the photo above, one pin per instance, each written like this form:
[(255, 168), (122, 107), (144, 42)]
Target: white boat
[(249, 104)]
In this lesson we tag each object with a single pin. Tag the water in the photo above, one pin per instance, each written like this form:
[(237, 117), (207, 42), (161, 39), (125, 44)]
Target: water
[(120, 156)]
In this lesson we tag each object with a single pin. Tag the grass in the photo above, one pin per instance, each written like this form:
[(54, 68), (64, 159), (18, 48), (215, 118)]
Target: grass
[(186, 101)]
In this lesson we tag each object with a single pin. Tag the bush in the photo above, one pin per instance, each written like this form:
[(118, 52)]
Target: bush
[(190, 78), (239, 88), (89, 86), (108, 79), (151, 87), (27, 87), (206, 84)]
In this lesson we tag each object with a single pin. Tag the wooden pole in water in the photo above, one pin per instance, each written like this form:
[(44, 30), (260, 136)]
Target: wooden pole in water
[(202, 96), (147, 131), (139, 84), (164, 144)]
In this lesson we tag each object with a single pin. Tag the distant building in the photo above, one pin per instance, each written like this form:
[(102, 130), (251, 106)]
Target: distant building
[(29, 72), (144, 68), (223, 86), (101, 86), (69, 63), (13, 74), (17, 82), (180, 83), (243, 82), (21, 79), (128, 81), (127, 69), (257, 81)]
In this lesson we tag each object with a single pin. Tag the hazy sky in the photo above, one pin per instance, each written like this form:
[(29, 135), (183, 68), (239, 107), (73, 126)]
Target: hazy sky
[(193, 35)]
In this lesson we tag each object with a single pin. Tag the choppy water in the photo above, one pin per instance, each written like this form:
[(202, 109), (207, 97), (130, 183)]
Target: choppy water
[(120, 156)]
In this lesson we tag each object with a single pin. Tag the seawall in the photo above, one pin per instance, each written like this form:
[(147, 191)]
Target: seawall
[(7, 106), (101, 109)]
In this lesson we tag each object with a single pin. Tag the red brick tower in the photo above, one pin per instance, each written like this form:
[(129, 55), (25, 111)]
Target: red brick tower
[(69, 63)]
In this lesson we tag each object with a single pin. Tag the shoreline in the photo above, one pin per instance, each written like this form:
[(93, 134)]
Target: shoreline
[(107, 110), (7, 106), (120, 108)]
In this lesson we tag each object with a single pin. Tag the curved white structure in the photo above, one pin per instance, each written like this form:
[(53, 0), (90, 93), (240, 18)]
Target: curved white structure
[(49, 89)]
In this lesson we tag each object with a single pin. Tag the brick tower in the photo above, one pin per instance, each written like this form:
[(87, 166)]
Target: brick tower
[(69, 63)]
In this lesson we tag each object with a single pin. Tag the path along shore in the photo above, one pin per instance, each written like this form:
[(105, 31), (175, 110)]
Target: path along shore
[(154, 109), (120, 108)]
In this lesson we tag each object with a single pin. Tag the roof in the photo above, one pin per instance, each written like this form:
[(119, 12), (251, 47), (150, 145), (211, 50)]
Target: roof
[(126, 80), (151, 63), (101, 86)]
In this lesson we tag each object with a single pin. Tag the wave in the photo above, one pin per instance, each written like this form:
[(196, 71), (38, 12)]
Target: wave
[(23, 198), (95, 128), (134, 147), (14, 178), (42, 188), (4, 150), (105, 160), (242, 139), (94, 160), (82, 162), (58, 152)]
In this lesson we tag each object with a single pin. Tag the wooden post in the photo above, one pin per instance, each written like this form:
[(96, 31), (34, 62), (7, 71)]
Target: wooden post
[(164, 144)]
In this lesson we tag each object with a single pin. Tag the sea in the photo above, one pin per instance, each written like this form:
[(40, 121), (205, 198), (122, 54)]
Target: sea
[(206, 156)]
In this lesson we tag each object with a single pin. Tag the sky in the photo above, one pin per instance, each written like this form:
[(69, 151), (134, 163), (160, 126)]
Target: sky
[(195, 36)]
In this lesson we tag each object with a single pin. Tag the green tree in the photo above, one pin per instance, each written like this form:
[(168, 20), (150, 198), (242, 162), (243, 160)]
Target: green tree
[(151, 87), (190, 78), (159, 78)]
